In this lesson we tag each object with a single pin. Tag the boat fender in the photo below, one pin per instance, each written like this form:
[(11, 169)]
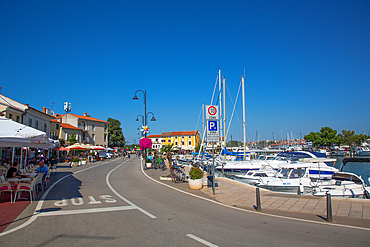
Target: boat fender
[(300, 189)]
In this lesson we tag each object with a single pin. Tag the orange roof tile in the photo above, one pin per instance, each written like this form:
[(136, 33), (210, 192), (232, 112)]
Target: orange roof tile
[(153, 136), (68, 126), (84, 117), (180, 133)]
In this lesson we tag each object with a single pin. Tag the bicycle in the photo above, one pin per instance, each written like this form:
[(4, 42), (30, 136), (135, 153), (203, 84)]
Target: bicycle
[(178, 175)]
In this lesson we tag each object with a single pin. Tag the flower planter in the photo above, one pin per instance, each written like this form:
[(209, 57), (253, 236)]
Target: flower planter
[(148, 165), (83, 162), (196, 184)]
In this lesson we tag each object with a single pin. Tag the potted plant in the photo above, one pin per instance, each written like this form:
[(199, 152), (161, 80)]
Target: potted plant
[(195, 178), (75, 161)]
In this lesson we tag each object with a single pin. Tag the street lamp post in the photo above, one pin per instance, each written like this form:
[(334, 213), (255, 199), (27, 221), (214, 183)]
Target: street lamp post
[(145, 118)]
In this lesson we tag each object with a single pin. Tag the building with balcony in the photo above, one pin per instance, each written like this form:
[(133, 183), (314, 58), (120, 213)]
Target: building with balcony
[(67, 129), (93, 131)]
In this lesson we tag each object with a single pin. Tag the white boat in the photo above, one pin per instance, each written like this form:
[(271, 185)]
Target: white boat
[(319, 168), (291, 177), (253, 176), (343, 184)]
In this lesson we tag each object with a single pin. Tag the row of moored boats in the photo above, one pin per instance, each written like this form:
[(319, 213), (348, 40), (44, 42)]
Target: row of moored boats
[(301, 172)]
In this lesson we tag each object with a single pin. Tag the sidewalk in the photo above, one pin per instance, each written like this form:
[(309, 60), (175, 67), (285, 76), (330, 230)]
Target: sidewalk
[(349, 211)]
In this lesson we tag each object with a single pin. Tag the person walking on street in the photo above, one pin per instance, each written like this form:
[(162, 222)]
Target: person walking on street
[(128, 156)]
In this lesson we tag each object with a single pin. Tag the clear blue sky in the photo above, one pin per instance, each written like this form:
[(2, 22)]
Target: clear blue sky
[(307, 63)]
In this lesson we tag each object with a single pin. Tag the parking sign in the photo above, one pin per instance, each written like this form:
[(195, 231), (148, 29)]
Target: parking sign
[(212, 131)]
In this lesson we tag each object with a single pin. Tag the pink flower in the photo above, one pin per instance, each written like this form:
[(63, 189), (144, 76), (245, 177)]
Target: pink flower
[(145, 143)]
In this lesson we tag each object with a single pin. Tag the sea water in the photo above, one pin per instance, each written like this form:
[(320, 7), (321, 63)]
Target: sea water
[(360, 168)]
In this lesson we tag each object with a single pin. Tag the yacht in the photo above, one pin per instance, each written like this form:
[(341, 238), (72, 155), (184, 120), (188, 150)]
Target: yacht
[(320, 167), (253, 176), (290, 177), (343, 184)]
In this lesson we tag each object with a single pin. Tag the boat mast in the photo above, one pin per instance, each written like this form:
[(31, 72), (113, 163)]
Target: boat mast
[(220, 96), (224, 136), (244, 135)]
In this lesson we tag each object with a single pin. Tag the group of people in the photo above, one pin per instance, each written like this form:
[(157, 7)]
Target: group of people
[(126, 155), (13, 171)]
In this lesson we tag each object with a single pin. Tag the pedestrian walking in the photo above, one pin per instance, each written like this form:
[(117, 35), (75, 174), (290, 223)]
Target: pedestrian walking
[(128, 156)]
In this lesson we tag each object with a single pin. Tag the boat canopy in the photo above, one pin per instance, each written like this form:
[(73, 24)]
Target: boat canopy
[(346, 160), (347, 176)]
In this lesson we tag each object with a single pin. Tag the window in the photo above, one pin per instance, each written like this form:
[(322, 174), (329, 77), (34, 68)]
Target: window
[(105, 137), (105, 127), (10, 116), (30, 122), (18, 119), (93, 137), (176, 143), (57, 126), (93, 127), (183, 143), (79, 125), (45, 126), (189, 143), (36, 124)]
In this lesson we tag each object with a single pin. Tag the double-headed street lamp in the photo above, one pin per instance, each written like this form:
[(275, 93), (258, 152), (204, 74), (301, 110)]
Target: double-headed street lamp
[(144, 118)]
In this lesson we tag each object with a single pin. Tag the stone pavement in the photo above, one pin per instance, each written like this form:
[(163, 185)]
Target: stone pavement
[(350, 211), (242, 195)]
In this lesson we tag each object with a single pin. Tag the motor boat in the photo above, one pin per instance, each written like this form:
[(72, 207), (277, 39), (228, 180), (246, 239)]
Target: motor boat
[(290, 177), (253, 176), (320, 167), (343, 184)]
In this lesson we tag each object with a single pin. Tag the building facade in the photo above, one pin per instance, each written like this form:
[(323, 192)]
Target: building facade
[(156, 141), (93, 131), (182, 140), (12, 109), (37, 119)]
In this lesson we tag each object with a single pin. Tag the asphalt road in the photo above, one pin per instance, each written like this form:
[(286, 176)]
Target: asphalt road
[(115, 204)]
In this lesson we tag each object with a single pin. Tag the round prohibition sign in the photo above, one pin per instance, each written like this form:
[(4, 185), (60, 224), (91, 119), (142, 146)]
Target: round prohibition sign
[(212, 110)]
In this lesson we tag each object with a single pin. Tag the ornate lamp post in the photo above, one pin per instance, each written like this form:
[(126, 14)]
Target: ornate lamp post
[(145, 118)]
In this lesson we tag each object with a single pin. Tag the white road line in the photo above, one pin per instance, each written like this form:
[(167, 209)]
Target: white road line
[(124, 199), (39, 205), (201, 240), (85, 211), (256, 212)]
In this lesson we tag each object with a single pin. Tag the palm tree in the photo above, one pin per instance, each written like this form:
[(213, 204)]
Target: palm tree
[(168, 150)]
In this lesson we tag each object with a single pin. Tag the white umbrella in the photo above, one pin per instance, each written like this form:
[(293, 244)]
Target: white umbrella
[(13, 134)]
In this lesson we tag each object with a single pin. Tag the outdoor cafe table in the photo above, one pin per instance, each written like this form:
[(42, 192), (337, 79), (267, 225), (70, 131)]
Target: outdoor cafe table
[(18, 180)]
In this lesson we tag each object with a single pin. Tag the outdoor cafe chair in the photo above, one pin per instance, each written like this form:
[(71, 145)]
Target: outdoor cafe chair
[(53, 168), (6, 187), (23, 187), (38, 182), (47, 181)]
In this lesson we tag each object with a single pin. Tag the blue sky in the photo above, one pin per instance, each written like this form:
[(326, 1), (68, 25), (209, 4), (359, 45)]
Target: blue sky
[(306, 63)]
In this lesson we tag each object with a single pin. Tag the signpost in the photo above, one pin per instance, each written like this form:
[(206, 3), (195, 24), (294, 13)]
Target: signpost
[(213, 134)]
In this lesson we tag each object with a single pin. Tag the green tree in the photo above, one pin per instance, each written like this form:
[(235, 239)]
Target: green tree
[(72, 138), (115, 135), (348, 137)]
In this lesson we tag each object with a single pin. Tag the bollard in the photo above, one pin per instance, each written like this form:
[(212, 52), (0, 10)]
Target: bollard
[(329, 211), (258, 199)]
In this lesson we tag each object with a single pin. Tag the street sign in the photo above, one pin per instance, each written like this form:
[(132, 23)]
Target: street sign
[(212, 112), (212, 131)]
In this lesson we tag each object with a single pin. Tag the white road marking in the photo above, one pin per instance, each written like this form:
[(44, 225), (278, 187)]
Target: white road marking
[(256, 212), (124, 199), (200, 240), (41, 202), (85, 211)]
